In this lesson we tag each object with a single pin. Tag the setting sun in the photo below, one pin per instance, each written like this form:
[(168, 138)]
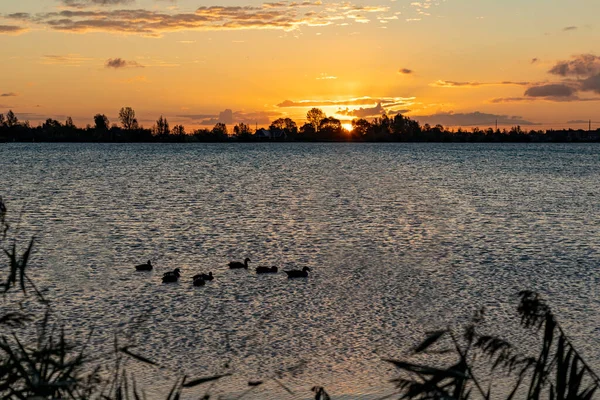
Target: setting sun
[(347, 126)]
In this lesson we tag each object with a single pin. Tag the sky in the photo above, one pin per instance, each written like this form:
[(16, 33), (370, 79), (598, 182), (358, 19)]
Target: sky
[(534, 63)]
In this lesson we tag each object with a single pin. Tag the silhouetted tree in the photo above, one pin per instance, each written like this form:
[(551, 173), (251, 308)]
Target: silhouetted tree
[(331, 129), (314, 117), (203, 135), (242, 131), (127, 118), (162, 127), (11, 119), (307, 132), (101, 122), (285, 126), (51, 124), (360, 127), (69, 123), (2, 121), (178, 130), (220, 130)]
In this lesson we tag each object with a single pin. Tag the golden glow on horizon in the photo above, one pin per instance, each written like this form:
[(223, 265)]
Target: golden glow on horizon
[(347, 127)]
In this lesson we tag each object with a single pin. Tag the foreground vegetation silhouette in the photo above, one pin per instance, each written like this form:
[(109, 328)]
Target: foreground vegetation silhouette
[(318, 128), (52, 366)]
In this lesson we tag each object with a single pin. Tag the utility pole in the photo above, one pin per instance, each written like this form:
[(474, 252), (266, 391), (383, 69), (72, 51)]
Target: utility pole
[(590, 126), (496, 124)]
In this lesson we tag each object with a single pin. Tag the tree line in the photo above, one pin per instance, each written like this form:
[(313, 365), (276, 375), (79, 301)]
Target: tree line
[(318, 128)]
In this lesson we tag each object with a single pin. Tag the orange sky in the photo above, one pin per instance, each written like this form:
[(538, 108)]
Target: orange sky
[(455, 62)]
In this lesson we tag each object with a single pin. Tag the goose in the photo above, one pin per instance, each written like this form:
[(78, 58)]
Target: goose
[(266, 270), (171, 276), (144, 267), (205, 277), (239, 265), (198, 281), (298, 274)]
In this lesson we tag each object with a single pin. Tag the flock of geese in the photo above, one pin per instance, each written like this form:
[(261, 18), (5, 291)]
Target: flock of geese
[(200, 279)]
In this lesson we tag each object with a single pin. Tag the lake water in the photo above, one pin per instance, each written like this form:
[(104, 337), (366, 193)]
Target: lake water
[(401, 239)]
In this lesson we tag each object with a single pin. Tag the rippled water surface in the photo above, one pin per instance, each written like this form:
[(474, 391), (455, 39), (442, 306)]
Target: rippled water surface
[(401, 239)]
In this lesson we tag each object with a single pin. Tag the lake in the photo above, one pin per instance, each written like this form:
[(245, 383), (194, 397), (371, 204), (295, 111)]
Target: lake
[(401, 239)]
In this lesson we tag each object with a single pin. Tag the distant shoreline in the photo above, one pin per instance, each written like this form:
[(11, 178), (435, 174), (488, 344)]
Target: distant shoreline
[(319, 129), (532, 140)]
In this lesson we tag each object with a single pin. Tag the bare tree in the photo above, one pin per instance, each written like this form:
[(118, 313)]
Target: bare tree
[(161, 127), (178, 130), (242, 130), (11, 119), (315, 116), (69, 123), (127, 118)]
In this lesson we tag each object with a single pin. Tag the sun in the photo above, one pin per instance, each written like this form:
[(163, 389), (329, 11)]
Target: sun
[(347, 127)]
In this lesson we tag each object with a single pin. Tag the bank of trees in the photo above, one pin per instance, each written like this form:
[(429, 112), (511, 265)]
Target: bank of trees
[(318, 127)]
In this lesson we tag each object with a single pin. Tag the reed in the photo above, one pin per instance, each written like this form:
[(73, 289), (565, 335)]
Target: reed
[(559, 372)]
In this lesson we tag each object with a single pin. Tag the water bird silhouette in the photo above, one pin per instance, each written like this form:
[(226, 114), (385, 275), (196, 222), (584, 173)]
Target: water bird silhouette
[(206, 277), (171, 276), (297, 273), (266, 270), (239, 265), (144, 267), (198, 281)]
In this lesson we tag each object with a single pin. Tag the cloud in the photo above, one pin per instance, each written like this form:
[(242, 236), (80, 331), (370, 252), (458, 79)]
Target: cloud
[(551, 90), (405, 71), (230, 117), (11, 29), (569, 28), (534, 60), (363, 112), (118, 63), (361, 101), (73, 60), (88, 3), (471, 119), (281, 15), (549, 98), (510, 99), (591, 84), (453, 84), (10, 94), (325, 77), (196, 117), (581, 121), (580, 65)]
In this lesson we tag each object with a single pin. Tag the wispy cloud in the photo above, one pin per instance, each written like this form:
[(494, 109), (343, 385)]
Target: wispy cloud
[(363, 112), (73, 60), (230, 117), (471, 119), (88, 3), (361, 101), (455, 84), (326, 77), (119, 63), (9, 94), (405, 71), (562, 99), (551, 90), (12, 29), (279, 15), (582, 65)]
